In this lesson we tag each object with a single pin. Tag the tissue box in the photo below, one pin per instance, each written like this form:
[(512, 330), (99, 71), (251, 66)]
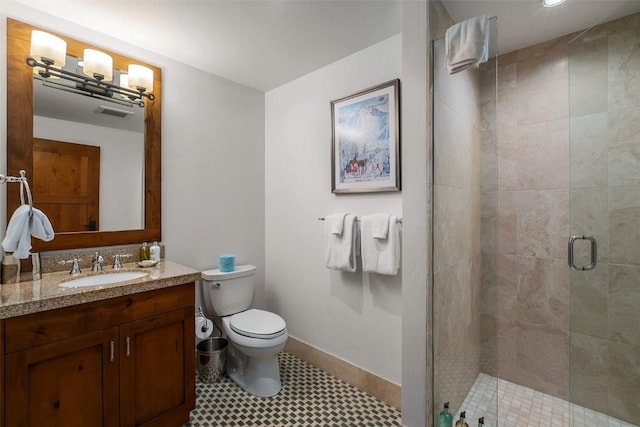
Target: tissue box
[(227, 263)]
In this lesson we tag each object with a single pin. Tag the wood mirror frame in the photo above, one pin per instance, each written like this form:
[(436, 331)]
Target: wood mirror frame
[(20, 142)]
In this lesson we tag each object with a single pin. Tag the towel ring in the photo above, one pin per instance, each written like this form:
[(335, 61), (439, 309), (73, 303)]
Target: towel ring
[(24, 186)]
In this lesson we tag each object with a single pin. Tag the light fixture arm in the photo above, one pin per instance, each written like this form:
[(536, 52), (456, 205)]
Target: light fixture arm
[(86, 85)]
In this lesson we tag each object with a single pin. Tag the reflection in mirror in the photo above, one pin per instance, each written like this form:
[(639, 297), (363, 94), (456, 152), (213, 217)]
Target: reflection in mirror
[(117, 159), (87, 201)]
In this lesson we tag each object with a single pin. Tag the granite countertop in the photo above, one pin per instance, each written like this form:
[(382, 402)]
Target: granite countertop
[(40, 295)]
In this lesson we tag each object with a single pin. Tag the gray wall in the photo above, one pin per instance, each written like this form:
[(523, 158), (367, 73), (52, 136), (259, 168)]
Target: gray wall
[(354, 316)]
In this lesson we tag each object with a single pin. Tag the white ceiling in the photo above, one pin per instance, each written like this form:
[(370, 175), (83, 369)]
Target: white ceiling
[(523, 23), (258, 43), (266, 43)]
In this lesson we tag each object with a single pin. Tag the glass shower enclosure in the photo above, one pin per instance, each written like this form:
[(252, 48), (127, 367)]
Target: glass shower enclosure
[(604, 221), (536, 232), (465, 272)]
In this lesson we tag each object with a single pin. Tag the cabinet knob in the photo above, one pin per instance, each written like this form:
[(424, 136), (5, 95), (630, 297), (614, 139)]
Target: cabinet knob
[(111, 350)]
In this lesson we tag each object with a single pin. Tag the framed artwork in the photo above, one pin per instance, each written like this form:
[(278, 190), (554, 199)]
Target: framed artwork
[(365, 140)]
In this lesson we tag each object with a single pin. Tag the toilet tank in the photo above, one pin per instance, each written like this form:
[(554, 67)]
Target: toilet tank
[(228, 293)]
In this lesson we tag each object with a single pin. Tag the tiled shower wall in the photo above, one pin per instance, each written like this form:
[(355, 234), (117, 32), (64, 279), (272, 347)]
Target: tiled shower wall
[(533, 217), (551, 157)]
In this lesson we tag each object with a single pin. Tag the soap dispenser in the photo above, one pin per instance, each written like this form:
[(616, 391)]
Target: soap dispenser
[(145, 253), (462, 422), (446, 419), (154, 252)]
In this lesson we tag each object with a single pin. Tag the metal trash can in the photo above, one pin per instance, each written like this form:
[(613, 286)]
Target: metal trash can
[(212, 359)]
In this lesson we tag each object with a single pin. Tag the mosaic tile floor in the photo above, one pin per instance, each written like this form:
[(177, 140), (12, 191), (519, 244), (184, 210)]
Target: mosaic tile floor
[(309, 397), (523, 407)]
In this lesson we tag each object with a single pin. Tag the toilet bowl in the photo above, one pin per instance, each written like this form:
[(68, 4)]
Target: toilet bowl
[(255, 336), (253, 361)]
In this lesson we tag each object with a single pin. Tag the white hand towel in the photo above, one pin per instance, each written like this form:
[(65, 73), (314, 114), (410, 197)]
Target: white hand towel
[(335, 222), (380, 225), (467, 44), (342, 249), (22, 226), (380, 256)]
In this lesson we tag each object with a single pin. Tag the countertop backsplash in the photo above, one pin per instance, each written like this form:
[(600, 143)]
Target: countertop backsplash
[(60, 261)]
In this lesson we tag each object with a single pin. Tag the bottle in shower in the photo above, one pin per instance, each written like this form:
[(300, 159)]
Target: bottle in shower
[(446, 419), (462, 422), (481, 422)]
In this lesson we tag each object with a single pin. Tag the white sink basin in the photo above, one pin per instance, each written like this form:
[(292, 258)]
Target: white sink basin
[(103, 279)]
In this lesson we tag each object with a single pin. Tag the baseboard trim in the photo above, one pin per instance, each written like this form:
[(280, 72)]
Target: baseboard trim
[(374, 385)]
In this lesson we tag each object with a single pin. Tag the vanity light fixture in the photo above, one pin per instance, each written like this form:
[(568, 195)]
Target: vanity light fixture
[(552, 3), (48, 55)]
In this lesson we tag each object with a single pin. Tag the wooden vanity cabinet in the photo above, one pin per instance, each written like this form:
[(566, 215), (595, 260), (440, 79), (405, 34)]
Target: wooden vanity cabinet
[(153, 366), (126, 361), (68, 382)]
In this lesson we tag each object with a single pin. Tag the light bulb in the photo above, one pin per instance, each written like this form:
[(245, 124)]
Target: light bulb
[(140, 77), (46, 47), (98, 65), (552, 3)]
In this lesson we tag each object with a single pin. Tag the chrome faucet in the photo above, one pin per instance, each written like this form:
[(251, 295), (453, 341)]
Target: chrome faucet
[(97, 263), (116, 262), (75, 268)]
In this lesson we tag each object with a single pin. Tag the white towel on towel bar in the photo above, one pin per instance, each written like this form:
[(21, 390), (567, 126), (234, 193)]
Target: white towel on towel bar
[(379, 225), (22, 226), (380, 256), (342, 249), (467, 44), (335, 223)]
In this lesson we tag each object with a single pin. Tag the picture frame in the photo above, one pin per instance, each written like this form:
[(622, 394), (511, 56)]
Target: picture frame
[(365, 140)]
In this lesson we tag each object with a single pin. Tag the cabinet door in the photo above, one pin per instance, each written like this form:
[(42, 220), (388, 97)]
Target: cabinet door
[(157, 380), (73, 382)]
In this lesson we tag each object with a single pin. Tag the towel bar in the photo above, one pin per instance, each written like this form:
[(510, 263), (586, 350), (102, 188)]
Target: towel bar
[(399, 220)]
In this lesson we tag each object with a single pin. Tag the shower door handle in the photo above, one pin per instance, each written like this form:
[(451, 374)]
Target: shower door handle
[(594, 253)]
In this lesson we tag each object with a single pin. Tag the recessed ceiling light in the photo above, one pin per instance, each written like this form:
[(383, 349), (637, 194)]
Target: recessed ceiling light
[(552, 3)]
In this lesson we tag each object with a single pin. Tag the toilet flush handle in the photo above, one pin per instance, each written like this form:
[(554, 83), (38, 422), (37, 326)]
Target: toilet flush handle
[(216, 285)]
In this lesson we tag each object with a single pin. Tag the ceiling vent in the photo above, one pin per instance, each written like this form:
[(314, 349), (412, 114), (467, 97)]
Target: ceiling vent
[(115, 112)]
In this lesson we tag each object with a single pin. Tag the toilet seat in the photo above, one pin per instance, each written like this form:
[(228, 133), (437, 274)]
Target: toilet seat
[(259, 324)]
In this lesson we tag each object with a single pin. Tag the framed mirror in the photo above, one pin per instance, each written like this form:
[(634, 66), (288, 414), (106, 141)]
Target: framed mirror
[(118, 158)]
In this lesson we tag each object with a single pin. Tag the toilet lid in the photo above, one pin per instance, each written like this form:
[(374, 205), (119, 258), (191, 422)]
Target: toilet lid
[(258, 324)]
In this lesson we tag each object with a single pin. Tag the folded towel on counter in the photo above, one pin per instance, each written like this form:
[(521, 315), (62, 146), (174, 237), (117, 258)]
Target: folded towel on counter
[(467, 44), (22, 226), (342, 249), (380, 256), (335, 223)]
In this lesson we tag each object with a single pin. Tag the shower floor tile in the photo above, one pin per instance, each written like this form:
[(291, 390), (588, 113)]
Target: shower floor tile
[(309, 397), (523, 407)]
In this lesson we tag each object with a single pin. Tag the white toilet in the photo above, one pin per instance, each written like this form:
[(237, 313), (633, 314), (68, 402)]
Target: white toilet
[(256, 336)]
